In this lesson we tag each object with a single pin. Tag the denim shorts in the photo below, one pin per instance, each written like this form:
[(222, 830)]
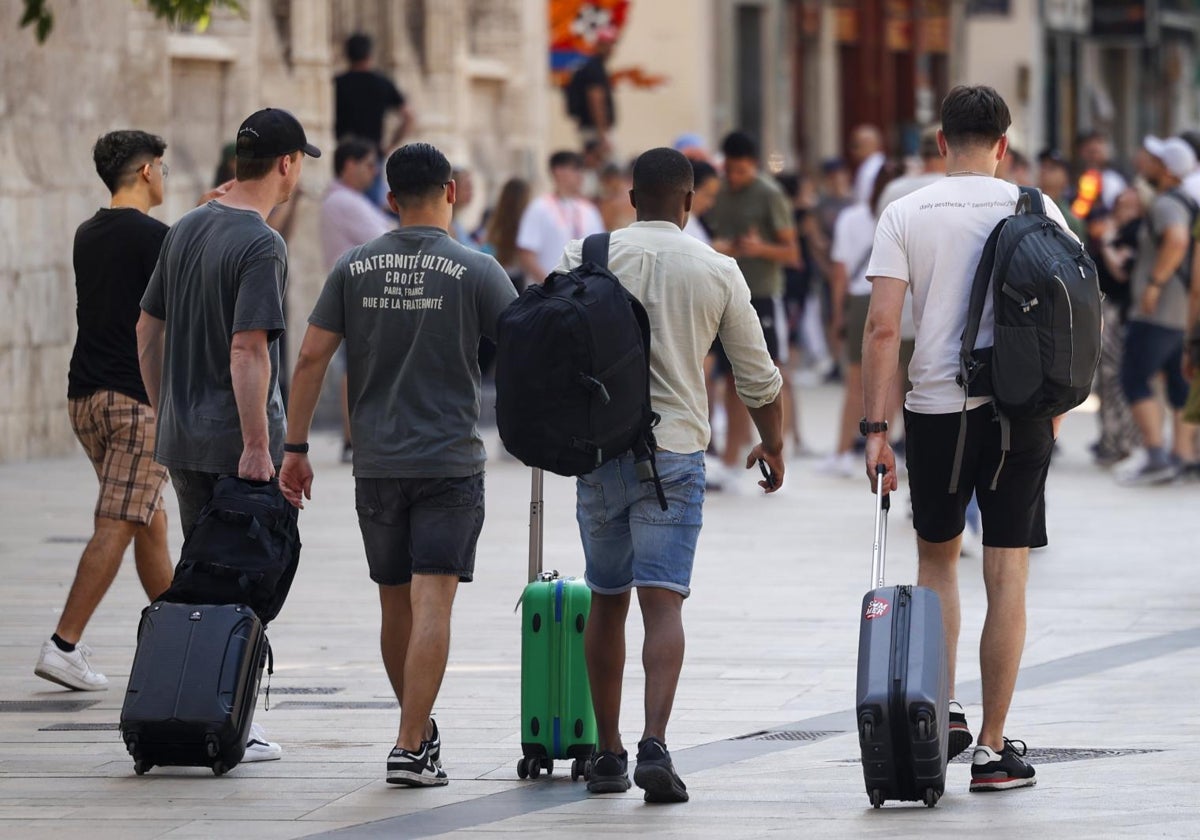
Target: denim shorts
[(419, 526), (628, 539)]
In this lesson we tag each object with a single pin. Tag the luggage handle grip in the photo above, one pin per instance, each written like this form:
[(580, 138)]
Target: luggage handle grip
[(883, 503)]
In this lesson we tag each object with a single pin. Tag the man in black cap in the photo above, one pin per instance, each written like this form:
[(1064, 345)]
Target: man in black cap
[(208, 336)]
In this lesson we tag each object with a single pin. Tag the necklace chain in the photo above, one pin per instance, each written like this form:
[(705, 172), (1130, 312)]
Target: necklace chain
[(968, 172)]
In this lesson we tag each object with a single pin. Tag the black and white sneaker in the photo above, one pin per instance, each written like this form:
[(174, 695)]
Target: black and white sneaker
[(405, 768), (655, 773), (1000, 771), (960, 736), (434, 744), (609, 773)]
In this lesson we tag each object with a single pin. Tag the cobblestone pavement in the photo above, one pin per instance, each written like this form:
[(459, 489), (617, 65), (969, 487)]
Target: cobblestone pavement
[(1113, 647)]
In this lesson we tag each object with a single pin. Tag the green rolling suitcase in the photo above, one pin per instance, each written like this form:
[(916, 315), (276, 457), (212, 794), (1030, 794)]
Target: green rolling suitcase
[(557, 720)]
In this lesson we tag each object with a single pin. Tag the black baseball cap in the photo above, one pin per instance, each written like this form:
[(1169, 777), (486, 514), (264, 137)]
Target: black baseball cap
[(272, 132)]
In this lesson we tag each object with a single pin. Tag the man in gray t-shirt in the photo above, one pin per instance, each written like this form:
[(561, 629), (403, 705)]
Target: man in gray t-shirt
[(211, 318), (411, 306), (1158, 319)]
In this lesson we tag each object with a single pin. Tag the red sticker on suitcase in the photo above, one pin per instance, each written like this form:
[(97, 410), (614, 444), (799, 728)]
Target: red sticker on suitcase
[(877, 608)]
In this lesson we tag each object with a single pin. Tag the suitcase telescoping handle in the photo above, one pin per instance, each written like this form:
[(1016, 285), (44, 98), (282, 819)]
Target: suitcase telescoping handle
[(883, 503), (535, 526)]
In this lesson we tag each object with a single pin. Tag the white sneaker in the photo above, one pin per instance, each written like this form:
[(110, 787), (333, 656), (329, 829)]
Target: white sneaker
[(842, 465), (71, 670), (258, 748)]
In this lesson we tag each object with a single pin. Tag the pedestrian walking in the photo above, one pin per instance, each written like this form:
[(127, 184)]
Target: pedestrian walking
[(115, 253), (411, 306), (691, 295), (752, 222), (928, 243), (1159, 286), (208, 335)]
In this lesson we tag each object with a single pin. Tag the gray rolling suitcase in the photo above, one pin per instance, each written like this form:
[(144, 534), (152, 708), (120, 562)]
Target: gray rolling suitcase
[(903, 684)]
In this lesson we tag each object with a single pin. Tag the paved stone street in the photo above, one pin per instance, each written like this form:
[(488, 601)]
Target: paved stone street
[(1113, 647)]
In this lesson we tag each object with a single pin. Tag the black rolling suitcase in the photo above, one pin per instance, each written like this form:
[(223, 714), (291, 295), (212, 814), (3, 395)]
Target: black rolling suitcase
[(193, 686), (903, 684)]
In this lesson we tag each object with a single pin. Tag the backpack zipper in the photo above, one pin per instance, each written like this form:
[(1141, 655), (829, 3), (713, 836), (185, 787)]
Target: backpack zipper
[(1071, 325)]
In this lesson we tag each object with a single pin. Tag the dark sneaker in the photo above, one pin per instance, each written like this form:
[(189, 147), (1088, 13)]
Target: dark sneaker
[(1008, 769), (656, 775), (960, 736), (434, 745), (609, 773), (414, 770)]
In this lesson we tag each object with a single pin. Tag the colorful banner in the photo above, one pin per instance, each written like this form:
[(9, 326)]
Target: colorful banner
[(574, 25)]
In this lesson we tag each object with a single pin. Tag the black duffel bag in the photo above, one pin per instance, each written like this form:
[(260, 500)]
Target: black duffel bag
[(243, 549)]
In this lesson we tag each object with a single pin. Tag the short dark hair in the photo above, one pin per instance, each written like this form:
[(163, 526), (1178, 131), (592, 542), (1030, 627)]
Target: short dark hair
[(702, 170), (116, 152), (255, 169), (662, 173), (974, 115), (358, 47), (416, 172), (565, 157), (351, 149), (739, 145)]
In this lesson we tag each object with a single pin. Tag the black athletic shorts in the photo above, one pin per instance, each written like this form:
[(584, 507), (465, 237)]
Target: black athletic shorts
[(1014, 514), (423, 526), (773, 319)]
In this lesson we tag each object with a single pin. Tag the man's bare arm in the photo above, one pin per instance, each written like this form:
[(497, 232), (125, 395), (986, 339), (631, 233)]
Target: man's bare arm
[(881, 359), (250, 372), (151, 332), (318, 347)]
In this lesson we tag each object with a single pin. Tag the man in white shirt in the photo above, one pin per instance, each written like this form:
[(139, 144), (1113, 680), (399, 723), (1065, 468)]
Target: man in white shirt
[(692, 294), (929, 243), (551, 221)]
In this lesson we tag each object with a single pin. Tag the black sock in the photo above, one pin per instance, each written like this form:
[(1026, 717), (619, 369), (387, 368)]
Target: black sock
[(62, 644)]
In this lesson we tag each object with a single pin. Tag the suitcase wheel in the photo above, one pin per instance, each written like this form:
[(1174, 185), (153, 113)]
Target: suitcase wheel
[(931, 797), (220, 768), (876, 797), (212, 746), (522, 768), (578, 768), (140, 766)]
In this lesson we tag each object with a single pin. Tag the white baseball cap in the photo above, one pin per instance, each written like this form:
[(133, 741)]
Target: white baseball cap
[(1175, 153)]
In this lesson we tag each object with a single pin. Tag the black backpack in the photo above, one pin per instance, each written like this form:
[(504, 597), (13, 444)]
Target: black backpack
[(573, 372), (1046, 299), (243, 549)]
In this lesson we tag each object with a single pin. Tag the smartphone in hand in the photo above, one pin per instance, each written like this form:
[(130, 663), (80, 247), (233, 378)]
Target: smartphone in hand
[(767, 474)]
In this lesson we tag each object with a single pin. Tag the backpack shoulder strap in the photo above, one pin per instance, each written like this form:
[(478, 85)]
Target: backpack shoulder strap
[(1030, 201), (595, 249)]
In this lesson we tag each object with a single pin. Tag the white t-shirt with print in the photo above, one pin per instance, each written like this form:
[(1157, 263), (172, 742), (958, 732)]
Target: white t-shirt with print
[(853, 233), (550, 222), (932, 239)]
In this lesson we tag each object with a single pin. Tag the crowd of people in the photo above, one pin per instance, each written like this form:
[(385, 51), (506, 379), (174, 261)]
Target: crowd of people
[(756, 285)]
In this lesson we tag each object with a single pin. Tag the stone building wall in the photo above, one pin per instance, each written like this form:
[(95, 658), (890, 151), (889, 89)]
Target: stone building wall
[(474, 71)]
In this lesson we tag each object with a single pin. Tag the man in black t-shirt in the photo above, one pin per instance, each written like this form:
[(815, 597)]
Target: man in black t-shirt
[(590, 95), (115, 254), (362, 98)]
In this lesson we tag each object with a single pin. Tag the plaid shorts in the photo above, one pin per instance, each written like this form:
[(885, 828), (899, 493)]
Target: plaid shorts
[(117, 433)]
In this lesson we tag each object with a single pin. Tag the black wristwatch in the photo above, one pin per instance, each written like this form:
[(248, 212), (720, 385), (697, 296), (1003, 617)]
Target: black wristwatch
[(865, 428), (296, 448)]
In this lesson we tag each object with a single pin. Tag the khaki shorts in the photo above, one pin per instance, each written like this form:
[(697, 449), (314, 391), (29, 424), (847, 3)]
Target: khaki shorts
[(117, 433)]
